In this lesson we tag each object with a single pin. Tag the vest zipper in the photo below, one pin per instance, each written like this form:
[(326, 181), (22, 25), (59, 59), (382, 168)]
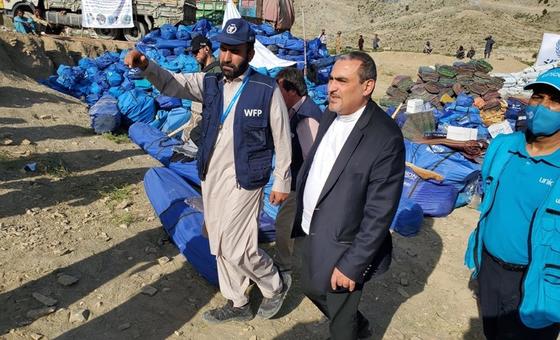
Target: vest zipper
[(529, 256), (476, 238)]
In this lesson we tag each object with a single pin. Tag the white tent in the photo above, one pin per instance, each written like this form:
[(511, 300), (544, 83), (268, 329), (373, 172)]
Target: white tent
[(263, 57)]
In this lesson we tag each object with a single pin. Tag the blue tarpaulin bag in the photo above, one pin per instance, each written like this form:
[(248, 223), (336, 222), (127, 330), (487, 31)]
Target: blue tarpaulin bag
[(114, 78), (107, 59), (92, 99), (452, 165), (408, 219), (168, 31), (116, 91), (171, 44), (202, 26), (178, 206), (154, 142), (104, 115), (435, 198), (183, 32), (142, 84), (168, 103), (175, 119), (137, 106), (164, 52)]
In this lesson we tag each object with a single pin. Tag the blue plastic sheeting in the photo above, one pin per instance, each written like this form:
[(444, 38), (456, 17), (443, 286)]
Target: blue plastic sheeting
[(137, 106), (105, 115), (408, 219), (175, 202)]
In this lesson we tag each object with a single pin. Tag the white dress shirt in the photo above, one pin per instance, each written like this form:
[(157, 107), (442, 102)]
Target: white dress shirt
[(325, 157)]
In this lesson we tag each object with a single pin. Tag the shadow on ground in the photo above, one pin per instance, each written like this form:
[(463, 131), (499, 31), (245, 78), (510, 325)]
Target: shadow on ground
[(382, 297), (21, 98), (170, 310)]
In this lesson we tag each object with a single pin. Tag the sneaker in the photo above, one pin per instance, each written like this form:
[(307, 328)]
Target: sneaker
[(228, 313), (286, 277), (271, 306)]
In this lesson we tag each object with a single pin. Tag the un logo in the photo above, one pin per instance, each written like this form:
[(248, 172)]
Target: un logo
[(231, 29)]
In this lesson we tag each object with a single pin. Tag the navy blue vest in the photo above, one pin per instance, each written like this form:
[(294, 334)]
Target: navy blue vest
[(252, 137), (308, 109)]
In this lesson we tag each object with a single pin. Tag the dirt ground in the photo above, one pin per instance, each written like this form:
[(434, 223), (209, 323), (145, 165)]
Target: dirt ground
[(83, 215)]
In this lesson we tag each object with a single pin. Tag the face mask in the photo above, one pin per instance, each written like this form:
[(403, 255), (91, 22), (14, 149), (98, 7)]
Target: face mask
[(542, 121)]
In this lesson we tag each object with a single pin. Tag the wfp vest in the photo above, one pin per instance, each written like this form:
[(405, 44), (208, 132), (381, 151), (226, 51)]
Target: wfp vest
[(540, 302), (252, 137), (308, 109)]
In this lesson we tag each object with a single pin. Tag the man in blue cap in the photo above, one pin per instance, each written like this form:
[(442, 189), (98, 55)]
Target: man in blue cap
[(245, 122), (515, 249)]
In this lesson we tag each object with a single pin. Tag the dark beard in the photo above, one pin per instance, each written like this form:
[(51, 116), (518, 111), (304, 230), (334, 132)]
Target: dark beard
[(235, 72)]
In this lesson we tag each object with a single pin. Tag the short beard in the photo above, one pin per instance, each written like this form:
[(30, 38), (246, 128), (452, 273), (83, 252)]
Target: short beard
[(236, 71)]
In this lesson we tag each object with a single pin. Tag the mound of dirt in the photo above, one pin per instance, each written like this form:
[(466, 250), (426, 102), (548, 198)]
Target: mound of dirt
[(38, 57)]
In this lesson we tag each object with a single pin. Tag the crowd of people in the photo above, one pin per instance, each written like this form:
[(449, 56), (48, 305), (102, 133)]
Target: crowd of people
[(338, 178)]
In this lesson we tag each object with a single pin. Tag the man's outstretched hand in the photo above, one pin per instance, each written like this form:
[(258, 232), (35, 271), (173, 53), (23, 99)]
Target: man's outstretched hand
[(136, 59)]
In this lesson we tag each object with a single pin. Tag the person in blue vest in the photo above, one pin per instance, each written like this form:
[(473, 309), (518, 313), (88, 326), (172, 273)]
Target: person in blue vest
[(515, 249), (305, 116), (244, 123)]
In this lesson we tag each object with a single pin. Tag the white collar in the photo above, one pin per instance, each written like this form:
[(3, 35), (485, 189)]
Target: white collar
[(351, 117)]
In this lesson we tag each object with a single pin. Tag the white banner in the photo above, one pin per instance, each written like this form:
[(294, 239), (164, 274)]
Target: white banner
[(263, 57), (550, 49), (107, 13)]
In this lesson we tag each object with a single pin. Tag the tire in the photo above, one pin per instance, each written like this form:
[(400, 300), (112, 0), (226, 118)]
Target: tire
[(137, 32), (25, 7), (107, 33)]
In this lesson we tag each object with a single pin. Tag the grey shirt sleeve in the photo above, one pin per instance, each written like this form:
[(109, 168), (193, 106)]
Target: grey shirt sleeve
[(185, 86), (280, 126)]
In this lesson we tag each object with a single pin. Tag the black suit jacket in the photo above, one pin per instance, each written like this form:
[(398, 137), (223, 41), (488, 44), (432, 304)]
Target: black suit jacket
[(350, 225)]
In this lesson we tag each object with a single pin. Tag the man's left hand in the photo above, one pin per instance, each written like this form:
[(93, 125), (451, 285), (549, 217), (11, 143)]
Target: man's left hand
[(277, 198), (338, 279)]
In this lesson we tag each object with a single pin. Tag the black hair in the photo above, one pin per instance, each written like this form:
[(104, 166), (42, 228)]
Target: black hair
[(368, 70), (293, 80), (547, 89)]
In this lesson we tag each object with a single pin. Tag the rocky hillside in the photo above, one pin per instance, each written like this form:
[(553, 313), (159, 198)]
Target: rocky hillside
[(516, 25)]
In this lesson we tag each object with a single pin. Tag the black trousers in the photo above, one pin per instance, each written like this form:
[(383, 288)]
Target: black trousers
[(340, 307), (500, 296)]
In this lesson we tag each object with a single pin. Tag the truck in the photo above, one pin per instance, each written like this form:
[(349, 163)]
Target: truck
[(147, 15), (214, 9)]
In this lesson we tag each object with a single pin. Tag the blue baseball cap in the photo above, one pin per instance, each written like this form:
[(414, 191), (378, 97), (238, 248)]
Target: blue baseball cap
[(236, 32), (550, 78)]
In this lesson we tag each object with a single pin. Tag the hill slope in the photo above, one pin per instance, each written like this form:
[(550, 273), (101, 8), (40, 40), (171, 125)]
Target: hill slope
[(517, 26)]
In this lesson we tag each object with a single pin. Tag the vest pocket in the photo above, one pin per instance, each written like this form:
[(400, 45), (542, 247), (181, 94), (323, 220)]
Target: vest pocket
[(260, 165), (552, 282)]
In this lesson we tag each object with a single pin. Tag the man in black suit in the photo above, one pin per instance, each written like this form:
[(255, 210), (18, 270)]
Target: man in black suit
[(348, 191)]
